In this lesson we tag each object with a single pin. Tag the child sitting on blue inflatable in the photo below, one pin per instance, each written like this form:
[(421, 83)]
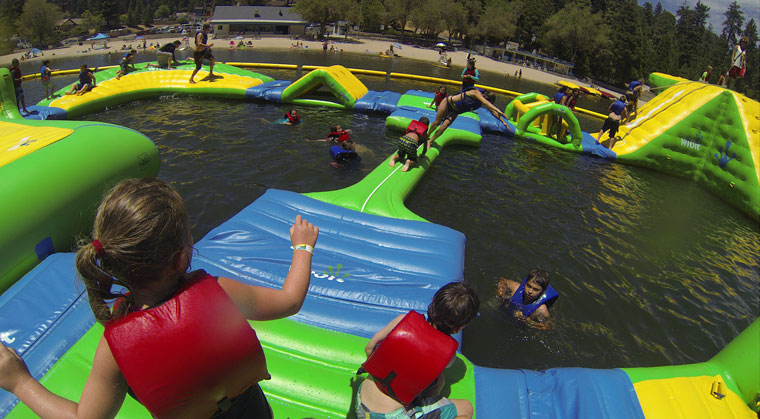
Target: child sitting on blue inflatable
[(531, 299), (406, 360), (177, 341)]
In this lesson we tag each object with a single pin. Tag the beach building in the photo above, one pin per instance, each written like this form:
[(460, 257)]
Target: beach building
[(247, 20)]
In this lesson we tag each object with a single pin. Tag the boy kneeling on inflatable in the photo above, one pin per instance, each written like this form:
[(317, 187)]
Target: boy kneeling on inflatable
[(406, 360)]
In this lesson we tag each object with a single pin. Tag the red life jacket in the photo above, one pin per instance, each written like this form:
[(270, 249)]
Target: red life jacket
[(410, 358), (186, 355), (339, 136), (293, 120), (417, 127)]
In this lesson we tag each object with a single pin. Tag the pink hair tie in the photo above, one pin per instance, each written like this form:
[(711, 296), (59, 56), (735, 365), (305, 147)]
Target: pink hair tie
[(98, 247)]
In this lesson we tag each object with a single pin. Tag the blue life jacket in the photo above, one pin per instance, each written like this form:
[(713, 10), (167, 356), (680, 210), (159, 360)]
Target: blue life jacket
[(42, 72), (634, 84), (467, 103), (516, 302), (617, 107), (558, 97)]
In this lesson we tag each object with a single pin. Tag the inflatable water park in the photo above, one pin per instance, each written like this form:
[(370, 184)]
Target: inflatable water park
[(365, 271)]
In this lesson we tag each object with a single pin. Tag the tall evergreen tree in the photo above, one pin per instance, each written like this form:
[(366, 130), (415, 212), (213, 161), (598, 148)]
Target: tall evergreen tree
[(732, 26)]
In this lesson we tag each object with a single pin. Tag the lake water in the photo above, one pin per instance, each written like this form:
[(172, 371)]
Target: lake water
[(651, 269)]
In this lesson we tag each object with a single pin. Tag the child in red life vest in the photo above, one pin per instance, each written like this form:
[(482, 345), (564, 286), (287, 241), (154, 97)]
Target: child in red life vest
[(529, 300), (416, 134), (178, 341), (292, 118), (338, 134), (453, 306), (440, 94)]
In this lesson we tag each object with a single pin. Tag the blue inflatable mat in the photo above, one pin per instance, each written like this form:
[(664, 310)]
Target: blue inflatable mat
[(44, 112), (271, 91), (366, 269), (557, 393), (592, 147), (384, 102), (488, 122), (42, 316)]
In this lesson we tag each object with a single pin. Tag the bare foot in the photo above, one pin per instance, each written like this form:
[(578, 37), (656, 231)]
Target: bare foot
[(393, 161), (406, 167), (192, 81)]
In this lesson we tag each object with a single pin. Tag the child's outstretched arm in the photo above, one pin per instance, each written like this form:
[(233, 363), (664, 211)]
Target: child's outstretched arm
[(102, 396), (540, 319), (381, 334), (262, 303)]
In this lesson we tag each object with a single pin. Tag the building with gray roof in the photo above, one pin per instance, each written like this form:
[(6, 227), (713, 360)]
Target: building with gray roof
[(247, 20)]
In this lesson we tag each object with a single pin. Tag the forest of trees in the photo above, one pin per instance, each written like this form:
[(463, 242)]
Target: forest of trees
[(614, 41)]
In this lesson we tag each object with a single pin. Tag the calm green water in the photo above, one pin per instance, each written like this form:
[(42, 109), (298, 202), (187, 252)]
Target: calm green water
[(652, 270)]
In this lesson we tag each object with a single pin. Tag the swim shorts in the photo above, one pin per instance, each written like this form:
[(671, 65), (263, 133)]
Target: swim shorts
[(407, 148), (163, 58), (199, 56), (611, 125), (734, 72), (19, 92), (427, 408)]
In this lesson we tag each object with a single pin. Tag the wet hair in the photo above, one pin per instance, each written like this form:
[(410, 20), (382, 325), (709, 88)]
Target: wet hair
[(46, 62), (83, 66), (177, 42), (453, 306), (14, 62), (333, 128), (744, 39), (134, 51), (425, 120), (623, 98), (142, 226), (540, 277), (442, 87), (490, 96), (206, 26)]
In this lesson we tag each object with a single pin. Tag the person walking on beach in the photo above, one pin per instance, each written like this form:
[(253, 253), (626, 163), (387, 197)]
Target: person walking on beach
[(17, 77), (203, 51)]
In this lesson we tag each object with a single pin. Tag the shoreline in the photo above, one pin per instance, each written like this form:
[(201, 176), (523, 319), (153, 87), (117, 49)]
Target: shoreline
[(361, 46)]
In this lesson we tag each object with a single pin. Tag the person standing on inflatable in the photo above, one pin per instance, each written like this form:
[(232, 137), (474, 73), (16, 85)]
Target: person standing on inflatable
[(617, 111), (632, 95), (177, 341), (406, 360), (407, 144), (470, 74), (738, 62), (529, 300), (203, 51)]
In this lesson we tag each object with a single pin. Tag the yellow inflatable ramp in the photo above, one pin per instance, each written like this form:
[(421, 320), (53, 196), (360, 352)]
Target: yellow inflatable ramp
[(17, 140), (700, 132), (690, 397), (149, 82), (337, 79)]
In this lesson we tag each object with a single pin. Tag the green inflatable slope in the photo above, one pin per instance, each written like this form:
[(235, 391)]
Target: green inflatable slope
[(346, 88), (573, 141), (57, 187), (313, 372), (707, 141), (383, 191), (738, 363), (8, 108)]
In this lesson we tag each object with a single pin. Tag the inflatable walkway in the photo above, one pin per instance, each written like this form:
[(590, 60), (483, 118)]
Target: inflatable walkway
[(52, 177), (150, 82)]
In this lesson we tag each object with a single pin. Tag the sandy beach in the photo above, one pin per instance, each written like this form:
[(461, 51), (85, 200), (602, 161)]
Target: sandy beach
[(280, 43)]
